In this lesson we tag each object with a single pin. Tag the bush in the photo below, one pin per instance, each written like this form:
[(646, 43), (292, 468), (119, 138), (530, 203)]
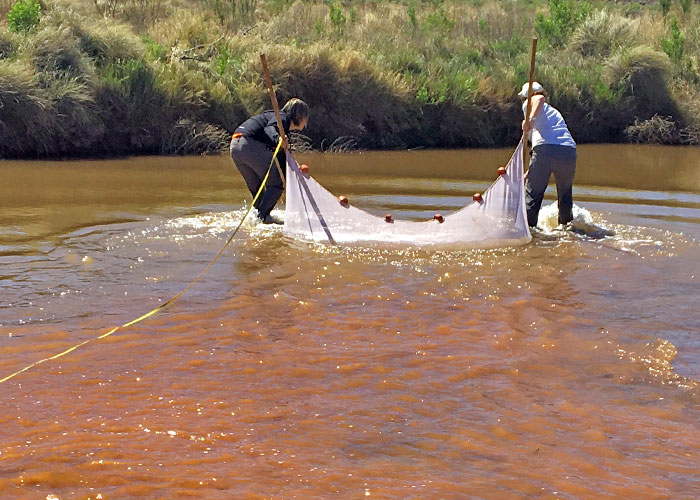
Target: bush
[(438, 22), (24, 15), (564, 16), (686, 6), (674, 45), (336, 15)]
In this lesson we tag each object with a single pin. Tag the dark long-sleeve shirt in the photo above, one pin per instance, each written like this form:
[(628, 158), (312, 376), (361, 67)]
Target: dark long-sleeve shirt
[(263, 128)]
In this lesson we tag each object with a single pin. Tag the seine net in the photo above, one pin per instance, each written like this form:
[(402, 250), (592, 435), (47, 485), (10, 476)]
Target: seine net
[(497, 220)]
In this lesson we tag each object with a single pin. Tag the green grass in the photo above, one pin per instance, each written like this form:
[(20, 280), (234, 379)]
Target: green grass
[(102, 78)]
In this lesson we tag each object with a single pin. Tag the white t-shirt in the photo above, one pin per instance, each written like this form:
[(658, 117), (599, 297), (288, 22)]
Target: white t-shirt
[(549, 127)]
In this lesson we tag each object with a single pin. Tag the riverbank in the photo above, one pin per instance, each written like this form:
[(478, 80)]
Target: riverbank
[(107, 78)]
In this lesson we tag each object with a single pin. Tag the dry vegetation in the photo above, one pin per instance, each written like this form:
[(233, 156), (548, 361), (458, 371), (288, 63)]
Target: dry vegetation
[(116, 77)]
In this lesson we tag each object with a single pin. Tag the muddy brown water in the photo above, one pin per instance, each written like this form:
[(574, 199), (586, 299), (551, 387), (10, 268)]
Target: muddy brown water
[(567, 368)]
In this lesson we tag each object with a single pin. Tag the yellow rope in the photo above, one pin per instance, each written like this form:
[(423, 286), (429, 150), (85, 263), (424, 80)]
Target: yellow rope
[(166, 304)]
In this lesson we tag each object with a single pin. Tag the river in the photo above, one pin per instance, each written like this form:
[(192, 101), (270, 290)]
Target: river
[(567, 368)]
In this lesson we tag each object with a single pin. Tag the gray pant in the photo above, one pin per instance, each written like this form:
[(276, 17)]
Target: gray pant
[(252, 159), (548, 159)]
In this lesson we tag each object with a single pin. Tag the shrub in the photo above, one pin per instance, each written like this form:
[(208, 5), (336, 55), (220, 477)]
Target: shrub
[(24, 15), (412, 19), (675, 43), (686, 6), (154, 50), (106, 7), (633, 9), (438, 21), (564, 16), (665, 6), (336, 15)]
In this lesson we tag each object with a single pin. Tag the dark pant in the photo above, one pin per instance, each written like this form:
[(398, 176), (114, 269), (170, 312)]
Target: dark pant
[(548, 159), (252, 159)]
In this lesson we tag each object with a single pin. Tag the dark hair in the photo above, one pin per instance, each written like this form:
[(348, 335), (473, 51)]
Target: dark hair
[(296, 110)]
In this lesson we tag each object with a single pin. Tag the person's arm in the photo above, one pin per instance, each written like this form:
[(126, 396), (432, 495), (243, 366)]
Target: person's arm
[(273, 133), (536, 104)]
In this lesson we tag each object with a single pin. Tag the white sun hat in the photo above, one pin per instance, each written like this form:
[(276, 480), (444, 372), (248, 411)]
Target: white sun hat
[(536, 87)]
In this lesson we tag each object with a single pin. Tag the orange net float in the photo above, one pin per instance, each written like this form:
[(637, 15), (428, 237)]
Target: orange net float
[(388, 218), (439, 218), (304, 168), (478, 198), (343, 201), (501, 170)]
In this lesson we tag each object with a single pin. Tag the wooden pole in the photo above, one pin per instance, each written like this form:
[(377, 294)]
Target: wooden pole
[(529, 101), (273, 98)]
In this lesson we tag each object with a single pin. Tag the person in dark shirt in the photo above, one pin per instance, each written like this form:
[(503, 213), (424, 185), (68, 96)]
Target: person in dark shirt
[(252, 146)]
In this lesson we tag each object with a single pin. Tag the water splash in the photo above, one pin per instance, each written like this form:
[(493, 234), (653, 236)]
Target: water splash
[(220, 223), (657, 357)]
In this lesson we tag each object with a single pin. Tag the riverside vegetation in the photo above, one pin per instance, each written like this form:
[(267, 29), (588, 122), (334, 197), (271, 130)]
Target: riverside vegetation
[(118, 77)]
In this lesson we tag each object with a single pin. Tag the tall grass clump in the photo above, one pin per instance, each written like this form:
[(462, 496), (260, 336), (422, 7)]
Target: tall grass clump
[(233, 14), (9, 43), (686, 6), (24, 122), (111, 44), (641, 76), (665, 6), (78, 126), (56, 52), (640, 71), (140, 13), (604, 32)]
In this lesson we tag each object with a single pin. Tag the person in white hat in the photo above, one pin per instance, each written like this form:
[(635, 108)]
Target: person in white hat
[(553, 152)]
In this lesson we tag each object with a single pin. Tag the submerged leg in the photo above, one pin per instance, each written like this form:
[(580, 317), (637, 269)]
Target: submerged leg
[(564, 171), (537, 178), (273, 191), (252, 159)]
